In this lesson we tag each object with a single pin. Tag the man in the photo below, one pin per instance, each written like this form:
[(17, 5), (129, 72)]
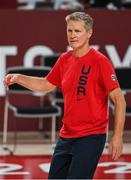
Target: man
[(87, 79)]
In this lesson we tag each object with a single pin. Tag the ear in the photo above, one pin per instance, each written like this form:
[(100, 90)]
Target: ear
[(90, 32)]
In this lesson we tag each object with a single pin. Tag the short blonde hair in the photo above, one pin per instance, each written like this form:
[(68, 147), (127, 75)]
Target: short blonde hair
[(81, 16)]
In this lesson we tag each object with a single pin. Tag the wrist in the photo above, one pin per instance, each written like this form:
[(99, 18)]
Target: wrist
[(17, 78), (118, 134)]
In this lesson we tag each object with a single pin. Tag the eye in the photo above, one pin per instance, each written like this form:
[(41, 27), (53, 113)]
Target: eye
[(69, 30), (77, 31)]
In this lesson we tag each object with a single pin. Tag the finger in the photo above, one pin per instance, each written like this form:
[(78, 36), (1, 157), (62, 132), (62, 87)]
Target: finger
[(115, 156), (13, 79), (118, 154), (9, 79), (5, 83), (114, 153)]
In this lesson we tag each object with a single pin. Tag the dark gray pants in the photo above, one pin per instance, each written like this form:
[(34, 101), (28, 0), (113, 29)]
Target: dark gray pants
[(76, 158)]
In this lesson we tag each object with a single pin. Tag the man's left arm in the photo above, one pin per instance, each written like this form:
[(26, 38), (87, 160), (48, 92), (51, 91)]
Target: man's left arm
[(116, 142)]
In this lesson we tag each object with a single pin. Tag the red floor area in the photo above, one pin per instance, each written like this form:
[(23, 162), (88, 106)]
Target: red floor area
[(37, 167)]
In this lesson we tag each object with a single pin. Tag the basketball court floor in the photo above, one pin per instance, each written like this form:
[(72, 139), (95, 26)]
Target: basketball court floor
[(32, 157)]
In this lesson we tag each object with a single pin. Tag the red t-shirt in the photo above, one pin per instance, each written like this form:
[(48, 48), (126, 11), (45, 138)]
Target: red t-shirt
[(85, 83)]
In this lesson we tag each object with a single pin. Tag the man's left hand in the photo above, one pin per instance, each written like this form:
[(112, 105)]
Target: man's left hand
[(116, 147)]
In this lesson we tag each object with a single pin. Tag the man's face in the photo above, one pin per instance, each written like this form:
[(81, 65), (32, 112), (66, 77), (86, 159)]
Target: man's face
[(78, 36)]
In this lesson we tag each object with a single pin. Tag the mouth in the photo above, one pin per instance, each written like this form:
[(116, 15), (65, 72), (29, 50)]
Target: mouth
[(73, 42)]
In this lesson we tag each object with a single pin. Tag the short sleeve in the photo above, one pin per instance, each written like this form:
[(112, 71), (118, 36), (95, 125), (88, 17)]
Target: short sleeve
[(54, 76), (108, 75)]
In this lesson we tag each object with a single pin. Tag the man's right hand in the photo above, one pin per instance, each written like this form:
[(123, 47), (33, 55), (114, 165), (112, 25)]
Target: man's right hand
[(10, 79)]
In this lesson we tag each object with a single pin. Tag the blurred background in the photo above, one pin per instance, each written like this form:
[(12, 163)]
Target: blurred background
[(32, 36)]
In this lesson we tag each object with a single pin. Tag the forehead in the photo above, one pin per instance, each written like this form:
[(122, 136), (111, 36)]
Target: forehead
[(76, 24)]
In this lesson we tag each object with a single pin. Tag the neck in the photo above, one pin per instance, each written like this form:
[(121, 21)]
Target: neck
[(81, 51)]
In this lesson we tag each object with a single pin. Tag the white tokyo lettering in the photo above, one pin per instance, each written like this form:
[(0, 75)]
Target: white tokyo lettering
[(41, 50), (115, 58), (122, 167), (35, 51), (12, 169), (44, 167), (29, 57), (16, 169), (4, 52)]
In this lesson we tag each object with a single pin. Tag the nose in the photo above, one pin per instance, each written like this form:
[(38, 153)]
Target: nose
[(73, 35)]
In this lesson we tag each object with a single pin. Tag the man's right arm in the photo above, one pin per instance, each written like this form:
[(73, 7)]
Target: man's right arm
[(36, 84)]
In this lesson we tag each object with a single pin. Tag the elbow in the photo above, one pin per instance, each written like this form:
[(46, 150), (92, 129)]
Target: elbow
[(45, 86)]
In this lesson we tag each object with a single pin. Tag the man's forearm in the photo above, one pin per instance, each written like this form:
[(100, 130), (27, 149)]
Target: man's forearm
[(119, 118), (36, 84)]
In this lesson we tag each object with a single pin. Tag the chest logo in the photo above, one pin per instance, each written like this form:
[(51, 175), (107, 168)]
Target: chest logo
[(81, 88)]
